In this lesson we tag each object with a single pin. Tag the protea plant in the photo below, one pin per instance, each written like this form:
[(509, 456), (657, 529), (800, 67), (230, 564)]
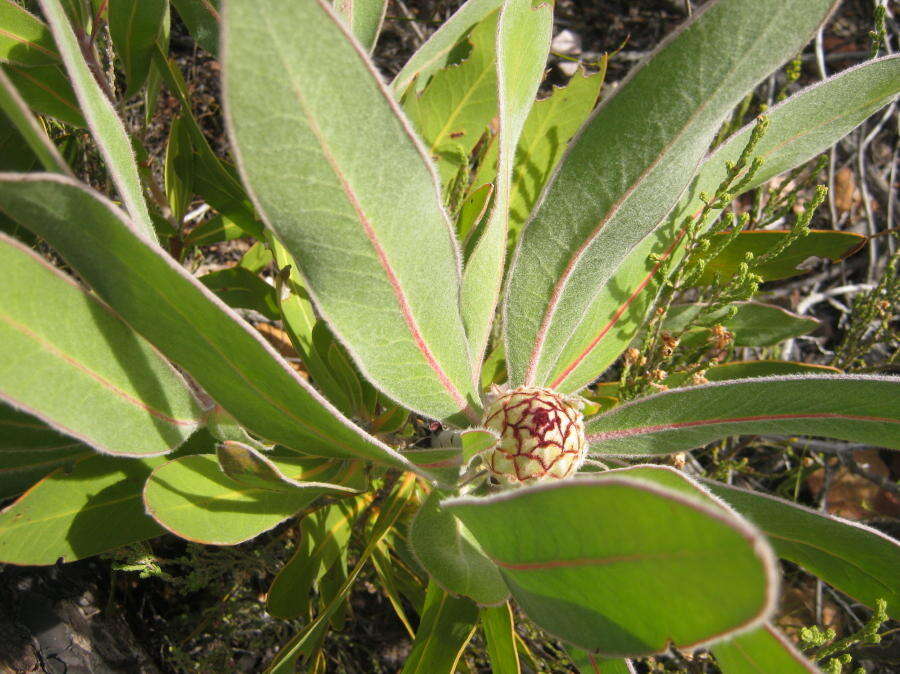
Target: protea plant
[(140, 398)]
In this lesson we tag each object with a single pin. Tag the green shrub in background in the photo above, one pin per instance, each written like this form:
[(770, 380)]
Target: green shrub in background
[(442, 251)]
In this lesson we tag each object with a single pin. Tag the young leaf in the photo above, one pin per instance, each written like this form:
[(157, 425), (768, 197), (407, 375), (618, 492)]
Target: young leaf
[(764, 649), (523, 42), (433, 55), (184, 320), (856, 559), (70, 361), (70, 515), (16, 109), (134, 26), (456, 107), (819, 243), (29, 450), (444, 547), (754, 323), (202, 19), (446, 626), (363, 18), (47, 91), (232, 512), (647, 567), (238, 287), (105, 125), (500, 639), (849, 407), (24, 39), (799, 128), (623, 174), (348, 180)]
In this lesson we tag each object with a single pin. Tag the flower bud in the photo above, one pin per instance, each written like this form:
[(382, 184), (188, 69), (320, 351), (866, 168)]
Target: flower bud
[(541, 436)]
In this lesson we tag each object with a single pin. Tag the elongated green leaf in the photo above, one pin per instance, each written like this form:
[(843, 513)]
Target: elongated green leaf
[(178, 173), (238, 287), (74, 514), (29, 450), (134, 26), (761, 651), (348, 181), (325, 533), (500, 637), (106, 128), (626, 170), (551, 124), (434, 54), (15, 154), (161, 301), (202, 19), (745, 369), (71, 362), (753, 324), (850, 407), (523, 42), (854, 558), (588, 663), (445, 628), (363, 18), (822, 243), (193, 499), (24, 39), (799, 128), (446, 549), (456, 107), (621, 566), (47, 91), (16, 109)]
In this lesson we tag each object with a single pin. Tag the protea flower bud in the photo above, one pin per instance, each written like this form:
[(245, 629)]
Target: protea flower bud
[(541, 436)]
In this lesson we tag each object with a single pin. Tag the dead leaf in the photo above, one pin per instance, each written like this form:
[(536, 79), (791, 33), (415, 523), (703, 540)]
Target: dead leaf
[(279, 339), (853, 496), (846, 194)]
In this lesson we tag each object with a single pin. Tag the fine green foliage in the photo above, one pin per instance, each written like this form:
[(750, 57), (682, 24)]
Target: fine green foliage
[(676, 420), (95, 380), (330, 387), (593, 582), (329, 200)]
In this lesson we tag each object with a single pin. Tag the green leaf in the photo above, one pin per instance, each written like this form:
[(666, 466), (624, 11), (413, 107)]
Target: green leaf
[(856, 559), (456, 107), (550, 125), (70, 361), (331, 198), (849, 407), (193, 499), (15, 153), (218, 228), (29, 129), (178, 174), (71, 515), (324, 535), (799, 128), (25, 39), (754, 323), (183, 319), (446, 626), (29, 450), (746, 369), (202, 19), (134, 26), (588, 663), (625, 171), (363, 18), (47, 91), (622, 566), (523, 43), (477, 440), (500, 638), (105, 125), (447, 550), (803, 126), (761, 651), (822, 243), (239, 287), (437, 50)]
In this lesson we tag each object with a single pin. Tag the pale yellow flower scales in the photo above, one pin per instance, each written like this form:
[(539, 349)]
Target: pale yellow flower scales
[(541, 436)]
